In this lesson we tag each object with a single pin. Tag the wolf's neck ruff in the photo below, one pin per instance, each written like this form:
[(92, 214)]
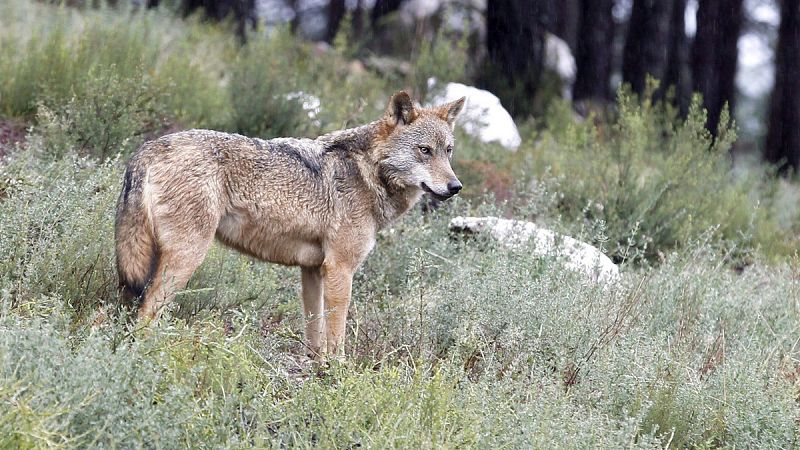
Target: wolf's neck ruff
[(366, 147)]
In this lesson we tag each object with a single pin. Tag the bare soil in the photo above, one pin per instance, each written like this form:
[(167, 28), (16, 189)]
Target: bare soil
[(12, 133)]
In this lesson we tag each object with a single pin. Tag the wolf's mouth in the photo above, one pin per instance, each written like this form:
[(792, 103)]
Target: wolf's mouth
[(435, 194)]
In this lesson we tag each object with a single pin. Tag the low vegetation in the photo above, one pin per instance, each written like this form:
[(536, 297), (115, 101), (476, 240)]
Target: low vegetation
[(452, 343)]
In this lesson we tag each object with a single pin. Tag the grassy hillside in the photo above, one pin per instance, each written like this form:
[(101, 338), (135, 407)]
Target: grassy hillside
[(451, 343)]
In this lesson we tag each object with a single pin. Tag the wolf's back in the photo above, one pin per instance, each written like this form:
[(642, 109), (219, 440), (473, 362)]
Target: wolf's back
[(136, 245)]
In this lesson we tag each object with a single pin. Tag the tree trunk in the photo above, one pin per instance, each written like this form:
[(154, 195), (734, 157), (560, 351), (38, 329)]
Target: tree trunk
[(515, 51), (783, 137), (566, 20), (677, 74), (714, 55), (358, 20), (595, 50), (383, 8), (336, 12), (294, 24), (646, 44), (243, 11)]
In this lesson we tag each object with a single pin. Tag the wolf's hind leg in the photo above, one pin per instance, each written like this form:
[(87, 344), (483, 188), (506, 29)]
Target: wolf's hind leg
[(313, 308), (180, 254)]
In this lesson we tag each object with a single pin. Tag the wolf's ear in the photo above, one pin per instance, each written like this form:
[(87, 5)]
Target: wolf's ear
[(450, 111), (401, 109)]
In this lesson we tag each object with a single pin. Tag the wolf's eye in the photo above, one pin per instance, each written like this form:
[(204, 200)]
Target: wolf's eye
[(424, 149), (449, 149)]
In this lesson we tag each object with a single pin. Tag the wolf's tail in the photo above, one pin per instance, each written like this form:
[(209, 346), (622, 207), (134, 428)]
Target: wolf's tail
[(136, 243)]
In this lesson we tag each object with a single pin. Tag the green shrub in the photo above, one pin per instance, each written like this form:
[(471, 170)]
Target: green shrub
[(264, 96), (57, 238), (62, 50), (656, 348), (107, 116), (190, 92), (71, 61), (169, 388), (654, 181), (443, 58)]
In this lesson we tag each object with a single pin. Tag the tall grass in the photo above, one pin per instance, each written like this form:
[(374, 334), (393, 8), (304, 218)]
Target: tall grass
[(451, 342)]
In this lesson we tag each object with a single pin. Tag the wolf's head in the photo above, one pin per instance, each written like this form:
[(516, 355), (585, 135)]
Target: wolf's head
[(416, 145)]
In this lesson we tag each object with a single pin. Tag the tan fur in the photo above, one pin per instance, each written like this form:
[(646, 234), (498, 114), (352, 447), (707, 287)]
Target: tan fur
[(317, 204)]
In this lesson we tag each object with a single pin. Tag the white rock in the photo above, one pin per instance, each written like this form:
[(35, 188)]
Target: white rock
[(578, 256), (413, 10), (558, 58), (483, 116)]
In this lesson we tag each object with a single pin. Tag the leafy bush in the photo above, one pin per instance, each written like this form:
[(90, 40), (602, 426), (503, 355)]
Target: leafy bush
[(442, 58), (109, 116), (132, 67), (260, 89), (191, 93), (53, 57), (654, 181), (57, 235)]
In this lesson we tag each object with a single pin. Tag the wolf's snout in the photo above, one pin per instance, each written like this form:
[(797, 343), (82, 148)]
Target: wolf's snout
[(453, 187)]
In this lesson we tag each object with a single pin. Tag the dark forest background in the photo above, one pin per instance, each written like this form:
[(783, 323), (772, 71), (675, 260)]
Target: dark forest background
[(611, 41)]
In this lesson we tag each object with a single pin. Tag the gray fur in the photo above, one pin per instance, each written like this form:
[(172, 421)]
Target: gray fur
[(300, 202)]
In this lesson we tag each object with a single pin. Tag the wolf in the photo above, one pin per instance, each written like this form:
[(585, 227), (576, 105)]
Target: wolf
[(316, 204)]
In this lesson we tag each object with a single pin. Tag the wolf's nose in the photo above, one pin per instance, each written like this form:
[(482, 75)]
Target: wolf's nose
[(454, 186)]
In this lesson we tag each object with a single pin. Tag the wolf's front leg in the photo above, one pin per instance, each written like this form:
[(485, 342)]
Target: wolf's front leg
[(337, 283), (314, 309)]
